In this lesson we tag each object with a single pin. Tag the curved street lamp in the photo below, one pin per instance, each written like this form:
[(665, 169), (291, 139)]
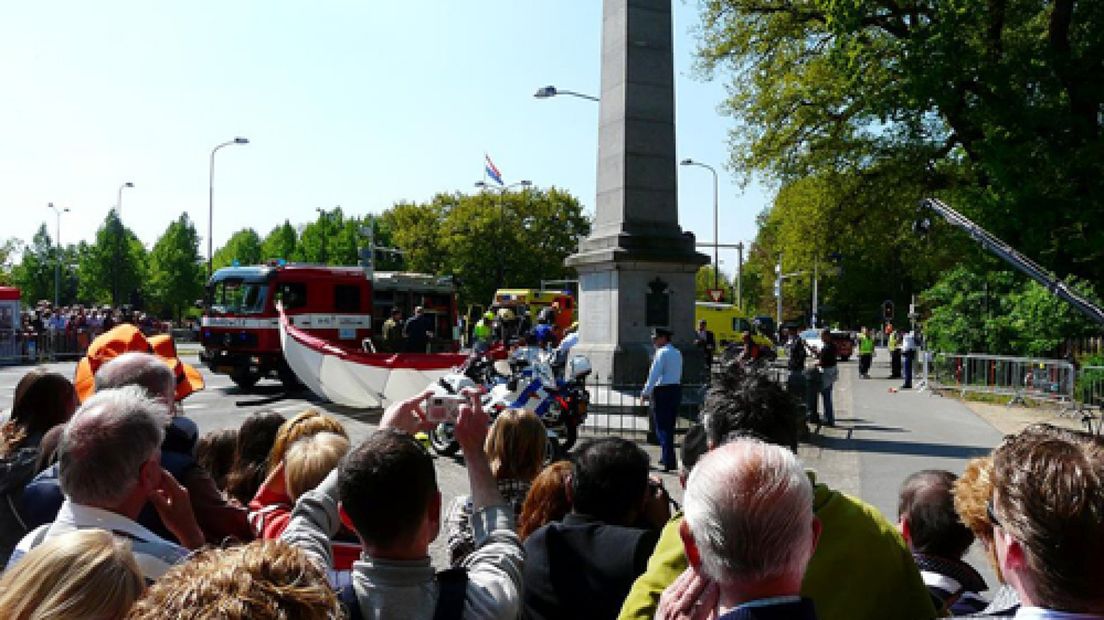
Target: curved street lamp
[(552, 91), (119, 200), (716, 243), (503, 188), (211, 199)]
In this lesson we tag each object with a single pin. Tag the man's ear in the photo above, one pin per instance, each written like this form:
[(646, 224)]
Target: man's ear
[(906, 531), (818, 528), (1015, 556), (692, 554), (149, 474)]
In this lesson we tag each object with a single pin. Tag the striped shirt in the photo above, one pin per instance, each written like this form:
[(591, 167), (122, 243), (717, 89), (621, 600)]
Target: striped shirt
[(155, 555)]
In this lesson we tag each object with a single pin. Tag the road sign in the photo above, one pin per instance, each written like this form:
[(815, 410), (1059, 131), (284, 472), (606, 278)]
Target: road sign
[(716, 294)]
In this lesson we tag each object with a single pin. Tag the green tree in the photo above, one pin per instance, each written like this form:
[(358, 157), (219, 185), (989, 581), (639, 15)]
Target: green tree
[(280, 243), (9, 248), (176, 271), (862, 247), (113, 268), (34, 275), (243, 246), (332, 239), (993, 105), (1001, 312), (416, 231), (489, 240)]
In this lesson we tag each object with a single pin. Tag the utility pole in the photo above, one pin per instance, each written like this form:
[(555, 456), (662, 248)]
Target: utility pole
[(816, 266), (740, 275), (778, 291)]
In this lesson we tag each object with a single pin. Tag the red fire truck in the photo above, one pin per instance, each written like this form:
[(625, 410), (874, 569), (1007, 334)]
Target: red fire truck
[(240, 325)]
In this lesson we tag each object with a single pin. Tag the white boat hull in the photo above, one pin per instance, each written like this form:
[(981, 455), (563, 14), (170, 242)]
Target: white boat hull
[(357, 379)]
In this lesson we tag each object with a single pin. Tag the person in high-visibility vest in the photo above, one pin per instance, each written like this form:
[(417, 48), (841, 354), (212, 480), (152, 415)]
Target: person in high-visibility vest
[(894, 345), (866, 353), (484, 329)]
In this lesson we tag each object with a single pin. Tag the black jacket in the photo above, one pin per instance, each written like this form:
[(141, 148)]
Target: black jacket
[(583, 568)]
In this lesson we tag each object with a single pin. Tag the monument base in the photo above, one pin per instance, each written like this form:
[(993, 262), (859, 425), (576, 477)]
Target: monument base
[(621, 298)]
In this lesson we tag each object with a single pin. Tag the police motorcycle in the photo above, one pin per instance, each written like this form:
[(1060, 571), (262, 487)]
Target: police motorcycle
[(526, 381)]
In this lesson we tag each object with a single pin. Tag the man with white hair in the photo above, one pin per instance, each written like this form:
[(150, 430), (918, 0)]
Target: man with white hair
[(750, 529), (108, 459), (218, 517)]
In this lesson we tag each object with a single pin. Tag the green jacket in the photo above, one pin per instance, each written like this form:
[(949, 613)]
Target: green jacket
[(861, 569)]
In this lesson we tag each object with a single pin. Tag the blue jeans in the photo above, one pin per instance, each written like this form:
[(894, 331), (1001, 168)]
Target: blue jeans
[(665, 403), (829, 413)]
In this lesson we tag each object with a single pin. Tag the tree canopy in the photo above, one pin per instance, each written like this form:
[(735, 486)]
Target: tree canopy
[(856, 110), (176, 270), (490, 240), (243, 246), (113, 268)]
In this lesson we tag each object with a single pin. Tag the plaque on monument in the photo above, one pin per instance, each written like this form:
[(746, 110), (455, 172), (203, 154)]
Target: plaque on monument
[(657, 305)]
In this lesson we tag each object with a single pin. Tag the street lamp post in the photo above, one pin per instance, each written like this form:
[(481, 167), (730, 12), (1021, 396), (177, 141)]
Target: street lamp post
[(119, 200), (501, 270), (211, 199), (552, 91), (716, 243), (57, 264)]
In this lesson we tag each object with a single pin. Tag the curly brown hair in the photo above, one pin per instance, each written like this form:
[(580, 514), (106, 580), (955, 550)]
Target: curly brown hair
[(972, 491), (264, 580)]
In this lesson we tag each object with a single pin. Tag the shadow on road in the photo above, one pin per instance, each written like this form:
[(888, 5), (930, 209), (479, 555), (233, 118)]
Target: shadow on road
[(899, 447)]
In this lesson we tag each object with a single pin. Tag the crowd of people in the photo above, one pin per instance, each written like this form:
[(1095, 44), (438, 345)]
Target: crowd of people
[(45, 331), (114, 507)]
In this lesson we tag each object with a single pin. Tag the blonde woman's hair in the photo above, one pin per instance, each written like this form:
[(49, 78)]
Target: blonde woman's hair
[(515, 445), (309, 459), (264, 580), (305, 424), (82, 575)]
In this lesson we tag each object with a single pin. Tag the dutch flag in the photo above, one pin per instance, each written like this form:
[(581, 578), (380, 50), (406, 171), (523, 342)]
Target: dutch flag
[(492, 170)]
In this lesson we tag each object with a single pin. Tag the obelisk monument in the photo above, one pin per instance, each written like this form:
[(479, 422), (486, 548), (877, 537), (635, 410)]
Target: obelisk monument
[(637, 267)]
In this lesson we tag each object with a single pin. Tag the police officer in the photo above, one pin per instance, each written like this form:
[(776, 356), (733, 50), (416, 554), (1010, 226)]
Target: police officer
[(664, 389)]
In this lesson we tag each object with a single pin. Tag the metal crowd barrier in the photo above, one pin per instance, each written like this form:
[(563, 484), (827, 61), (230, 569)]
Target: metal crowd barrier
[(1088, 396), (1019, 378), (618, 410)]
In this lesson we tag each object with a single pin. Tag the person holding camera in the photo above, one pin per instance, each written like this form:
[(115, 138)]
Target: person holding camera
[(387, 487), (515, 447)]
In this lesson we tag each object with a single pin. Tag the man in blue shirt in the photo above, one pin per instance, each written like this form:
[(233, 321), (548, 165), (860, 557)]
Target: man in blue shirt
[(664, 389)]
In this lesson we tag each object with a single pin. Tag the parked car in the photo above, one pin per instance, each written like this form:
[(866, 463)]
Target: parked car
[(845, 342)]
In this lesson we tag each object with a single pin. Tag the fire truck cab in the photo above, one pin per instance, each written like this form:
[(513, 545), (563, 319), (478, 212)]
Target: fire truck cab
[(240, 325)]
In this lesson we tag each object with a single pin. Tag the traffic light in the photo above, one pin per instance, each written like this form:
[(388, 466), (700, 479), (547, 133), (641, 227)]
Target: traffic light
[(887, 310)]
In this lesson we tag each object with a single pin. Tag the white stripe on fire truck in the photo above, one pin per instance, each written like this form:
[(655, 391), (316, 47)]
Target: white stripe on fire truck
[(307, 321)]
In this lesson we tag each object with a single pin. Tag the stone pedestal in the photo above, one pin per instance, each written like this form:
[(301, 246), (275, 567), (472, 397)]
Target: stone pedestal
[(637, 268)]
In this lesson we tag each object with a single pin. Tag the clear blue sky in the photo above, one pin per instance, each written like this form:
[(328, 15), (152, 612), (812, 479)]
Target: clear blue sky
[(352, 103)]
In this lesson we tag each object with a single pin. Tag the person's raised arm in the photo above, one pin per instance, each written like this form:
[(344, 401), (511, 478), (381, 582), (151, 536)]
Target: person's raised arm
[(471, 433), (407, 415)]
